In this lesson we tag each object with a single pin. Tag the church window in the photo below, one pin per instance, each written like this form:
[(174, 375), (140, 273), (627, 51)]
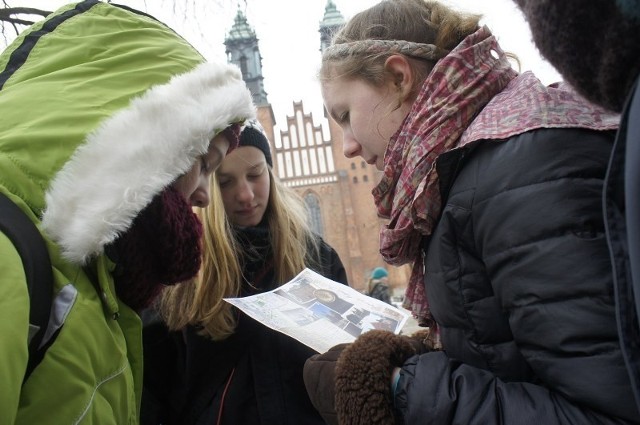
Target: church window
[(315, 215), (243, 65)]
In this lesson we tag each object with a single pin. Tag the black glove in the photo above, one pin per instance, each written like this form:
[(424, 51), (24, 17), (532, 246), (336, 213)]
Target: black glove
[(351, 383), (319, 379)]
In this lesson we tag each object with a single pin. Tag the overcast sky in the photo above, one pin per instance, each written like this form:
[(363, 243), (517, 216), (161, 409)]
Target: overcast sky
[(289, 40)]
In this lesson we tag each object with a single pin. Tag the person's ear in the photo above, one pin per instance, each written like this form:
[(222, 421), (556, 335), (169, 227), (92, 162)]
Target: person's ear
[(402, 75)]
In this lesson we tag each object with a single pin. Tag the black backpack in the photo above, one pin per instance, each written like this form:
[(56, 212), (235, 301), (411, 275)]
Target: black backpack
[(26, 237)]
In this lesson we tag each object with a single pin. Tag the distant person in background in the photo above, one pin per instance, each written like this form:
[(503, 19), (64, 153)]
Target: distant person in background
[(378, 287)]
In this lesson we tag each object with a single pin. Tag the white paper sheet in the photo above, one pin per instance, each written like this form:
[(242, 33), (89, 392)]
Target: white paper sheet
[(319, 312)]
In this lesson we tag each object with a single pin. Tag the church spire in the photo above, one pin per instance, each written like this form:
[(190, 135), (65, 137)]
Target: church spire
[(331, 22), (242, 50)]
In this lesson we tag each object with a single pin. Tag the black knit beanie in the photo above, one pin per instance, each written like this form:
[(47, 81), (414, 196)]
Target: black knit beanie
[(252, 136)]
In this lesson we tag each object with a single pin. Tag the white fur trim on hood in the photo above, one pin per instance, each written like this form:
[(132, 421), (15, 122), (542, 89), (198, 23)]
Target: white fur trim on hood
[(136, 153)]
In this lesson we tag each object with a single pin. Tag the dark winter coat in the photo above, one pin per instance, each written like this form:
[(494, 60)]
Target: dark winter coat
[(622, 212), (520, 283), (381, 291), (596, 49), (254, 377)]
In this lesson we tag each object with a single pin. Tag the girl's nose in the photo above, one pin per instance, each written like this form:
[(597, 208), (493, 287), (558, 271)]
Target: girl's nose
[(244, 193), (350, 147), (200, 197)]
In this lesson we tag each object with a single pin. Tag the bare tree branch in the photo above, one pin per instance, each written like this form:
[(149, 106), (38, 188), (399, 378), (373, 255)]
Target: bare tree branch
[(8, 13), (15, 16), (17, 21)]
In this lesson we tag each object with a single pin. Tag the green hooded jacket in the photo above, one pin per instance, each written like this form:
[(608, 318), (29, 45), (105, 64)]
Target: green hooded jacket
[(101, 108)]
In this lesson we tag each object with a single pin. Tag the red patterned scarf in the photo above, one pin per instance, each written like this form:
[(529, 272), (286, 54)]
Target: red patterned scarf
[(471, 94)]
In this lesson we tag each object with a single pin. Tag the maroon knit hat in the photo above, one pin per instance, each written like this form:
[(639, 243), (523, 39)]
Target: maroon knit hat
[(162, 247), (232, 133)]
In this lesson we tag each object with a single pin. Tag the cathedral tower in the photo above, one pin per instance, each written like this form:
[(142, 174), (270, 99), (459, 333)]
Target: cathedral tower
[(242, 50), (331, 22)]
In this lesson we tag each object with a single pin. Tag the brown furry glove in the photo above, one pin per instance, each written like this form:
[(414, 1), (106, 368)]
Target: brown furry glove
[(351, 383), (363, 375)]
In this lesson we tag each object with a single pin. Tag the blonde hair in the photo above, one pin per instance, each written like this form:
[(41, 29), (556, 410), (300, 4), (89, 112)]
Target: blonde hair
[(200, 302), (417, 22)]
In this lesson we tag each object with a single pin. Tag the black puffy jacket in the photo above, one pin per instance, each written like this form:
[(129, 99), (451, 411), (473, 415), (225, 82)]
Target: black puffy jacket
[(622, 212), (519, 280)]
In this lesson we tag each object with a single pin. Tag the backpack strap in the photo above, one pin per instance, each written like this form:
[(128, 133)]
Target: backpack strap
[(29, 243)]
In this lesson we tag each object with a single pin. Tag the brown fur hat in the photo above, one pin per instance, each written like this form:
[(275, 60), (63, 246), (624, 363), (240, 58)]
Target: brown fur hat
[(594, 45)]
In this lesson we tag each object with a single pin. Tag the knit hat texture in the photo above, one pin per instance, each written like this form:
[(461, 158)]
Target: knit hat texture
[(594, 47), (252, 135), (232, 133), (379, 273), (162, 247)]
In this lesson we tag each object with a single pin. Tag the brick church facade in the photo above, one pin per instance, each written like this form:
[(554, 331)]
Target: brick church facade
[(336, 189)]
